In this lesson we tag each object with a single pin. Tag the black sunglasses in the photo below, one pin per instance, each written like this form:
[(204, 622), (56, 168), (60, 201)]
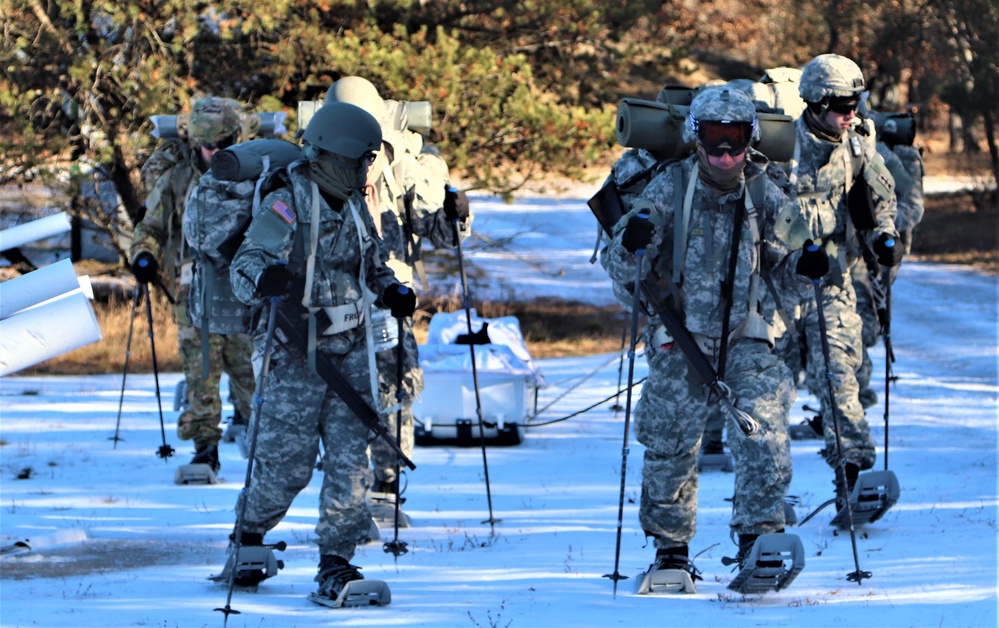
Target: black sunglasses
[(844, 108)]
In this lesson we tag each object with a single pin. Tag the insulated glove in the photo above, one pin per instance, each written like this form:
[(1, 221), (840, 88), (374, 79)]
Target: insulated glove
[(275, 281), (455, 204), (145, 267), (813, 263), (400, 300), (888, 250), (638, 233)]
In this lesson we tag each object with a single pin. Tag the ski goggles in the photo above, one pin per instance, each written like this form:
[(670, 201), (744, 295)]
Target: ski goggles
[(844, 106), (719, 138)]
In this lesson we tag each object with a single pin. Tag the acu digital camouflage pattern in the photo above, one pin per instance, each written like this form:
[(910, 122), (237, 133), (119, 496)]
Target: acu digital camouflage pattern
[(672, 412), (670, 417), (300, 410), (405, 197), (168, 177), (866, 286), (825, 172), (830, 76)]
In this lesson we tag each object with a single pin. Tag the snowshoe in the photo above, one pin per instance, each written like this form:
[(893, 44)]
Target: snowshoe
[(236, 426), (770, 563), (381, 503), (255, 563), (44, 541), (672, 573), (203, 468), (341, 585), (713, 457), (870, 498)]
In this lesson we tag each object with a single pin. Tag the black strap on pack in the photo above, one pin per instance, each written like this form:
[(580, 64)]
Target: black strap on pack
[(729, 285)]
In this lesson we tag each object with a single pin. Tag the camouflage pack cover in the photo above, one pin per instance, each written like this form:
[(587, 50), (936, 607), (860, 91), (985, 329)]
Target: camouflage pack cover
[(213, 119)]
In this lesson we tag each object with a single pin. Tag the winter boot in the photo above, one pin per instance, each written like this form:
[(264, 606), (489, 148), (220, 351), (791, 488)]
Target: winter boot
[(203, 468), (209, 456), (236, 426), (254, 563), (852, 472), (341, 584), (713, 456), (672, 572)]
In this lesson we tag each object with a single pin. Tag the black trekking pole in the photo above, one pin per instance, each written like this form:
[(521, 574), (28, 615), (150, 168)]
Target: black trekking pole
[(858, 575), (396, 547), (636, 303), (136, 298), (258, 403), (466, 302), (620, 367), (165, 451), (889, 352)]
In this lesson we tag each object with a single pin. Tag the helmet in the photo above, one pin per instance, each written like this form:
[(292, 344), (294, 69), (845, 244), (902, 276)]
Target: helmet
[(214, 121), (357, 91), (343, 129), (720, 104), (830, 76)]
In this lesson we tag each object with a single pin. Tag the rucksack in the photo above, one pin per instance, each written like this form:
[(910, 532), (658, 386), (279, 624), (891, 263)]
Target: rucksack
[(217, 215)]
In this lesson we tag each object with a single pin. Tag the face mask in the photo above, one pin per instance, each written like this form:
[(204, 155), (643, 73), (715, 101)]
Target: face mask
[(722, 180), (821, 128), (337, 176)]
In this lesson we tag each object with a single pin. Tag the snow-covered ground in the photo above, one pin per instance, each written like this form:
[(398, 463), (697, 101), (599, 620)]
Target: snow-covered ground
[(131, 548)]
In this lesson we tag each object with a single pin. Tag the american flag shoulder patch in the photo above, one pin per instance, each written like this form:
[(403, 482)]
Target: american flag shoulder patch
[(286, 213)]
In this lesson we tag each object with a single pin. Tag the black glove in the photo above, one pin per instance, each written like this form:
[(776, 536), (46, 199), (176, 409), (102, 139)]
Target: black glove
[(813, 263), (400, 300), (638, 233), (144, 267), (275, 281), (455, 204), (889, 250)]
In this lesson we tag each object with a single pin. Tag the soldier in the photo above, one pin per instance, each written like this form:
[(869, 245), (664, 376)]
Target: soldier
[(906, 165), (846, 194), (168, 177), (313, 236), (702, 195), (411, 201)]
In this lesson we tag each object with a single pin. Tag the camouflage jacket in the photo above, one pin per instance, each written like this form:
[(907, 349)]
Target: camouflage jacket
[(910, 201), (408, 201), (280, 232), (823, 176), (168, 176), (708, 245)]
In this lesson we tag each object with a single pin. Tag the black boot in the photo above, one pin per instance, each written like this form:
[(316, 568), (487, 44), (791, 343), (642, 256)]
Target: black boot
[(713, 447), (676, 558), (208, 455), (852, 472), (237, 418), (334, 573)]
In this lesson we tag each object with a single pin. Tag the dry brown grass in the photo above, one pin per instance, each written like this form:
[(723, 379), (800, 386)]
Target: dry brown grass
[(108, 354)]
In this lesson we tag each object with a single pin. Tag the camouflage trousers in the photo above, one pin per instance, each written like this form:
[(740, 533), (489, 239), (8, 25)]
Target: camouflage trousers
[(299, 412), (383, 457), (844, 330), (670, 418), (230, 353)]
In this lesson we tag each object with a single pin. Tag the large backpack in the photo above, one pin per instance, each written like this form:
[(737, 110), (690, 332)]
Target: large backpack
[(215, 220)]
